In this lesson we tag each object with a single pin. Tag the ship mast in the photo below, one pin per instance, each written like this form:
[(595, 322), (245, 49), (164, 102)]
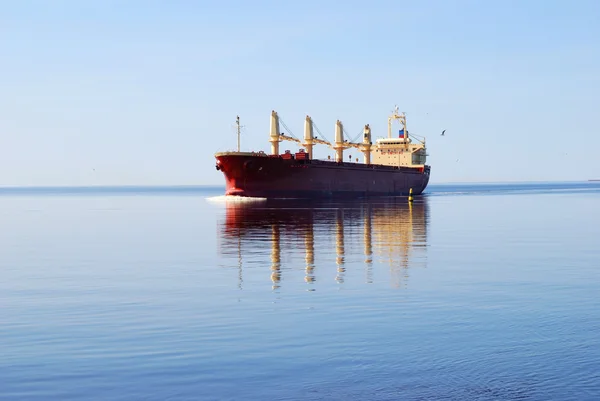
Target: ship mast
[(396, 116), (237, 123)]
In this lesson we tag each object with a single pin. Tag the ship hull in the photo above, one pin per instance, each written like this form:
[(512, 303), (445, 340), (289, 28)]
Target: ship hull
[(266, 176)]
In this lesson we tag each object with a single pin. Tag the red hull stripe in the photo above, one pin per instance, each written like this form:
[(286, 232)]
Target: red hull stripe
[(273, 177)]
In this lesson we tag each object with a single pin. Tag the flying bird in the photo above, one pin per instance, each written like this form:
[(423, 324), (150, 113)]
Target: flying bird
[(443, 132)]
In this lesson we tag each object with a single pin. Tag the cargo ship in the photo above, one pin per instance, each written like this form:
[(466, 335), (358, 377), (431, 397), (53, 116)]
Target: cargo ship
[(392, 166)]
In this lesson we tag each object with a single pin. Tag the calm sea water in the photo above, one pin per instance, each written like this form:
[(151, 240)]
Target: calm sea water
[(473, 292)]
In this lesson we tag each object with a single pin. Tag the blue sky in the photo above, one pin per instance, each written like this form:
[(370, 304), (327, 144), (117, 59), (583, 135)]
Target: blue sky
[(145, 92)]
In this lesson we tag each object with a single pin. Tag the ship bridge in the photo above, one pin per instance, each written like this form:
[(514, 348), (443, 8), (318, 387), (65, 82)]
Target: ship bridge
[(399, 151)]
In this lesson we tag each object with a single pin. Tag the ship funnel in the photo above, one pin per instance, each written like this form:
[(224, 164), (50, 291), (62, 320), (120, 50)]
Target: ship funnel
[(339, 141), (366, 148), (274, 133), (308, 136)]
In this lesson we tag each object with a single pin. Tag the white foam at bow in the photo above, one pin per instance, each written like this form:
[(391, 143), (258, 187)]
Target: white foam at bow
[(234, 199)]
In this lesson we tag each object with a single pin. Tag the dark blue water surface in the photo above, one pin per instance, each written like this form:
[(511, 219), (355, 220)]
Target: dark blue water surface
[(472, 292)]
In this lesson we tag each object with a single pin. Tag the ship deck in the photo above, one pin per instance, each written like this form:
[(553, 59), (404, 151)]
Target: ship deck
[(325, 163)]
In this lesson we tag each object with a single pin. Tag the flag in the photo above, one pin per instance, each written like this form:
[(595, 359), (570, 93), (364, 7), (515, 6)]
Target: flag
[(401, 133)]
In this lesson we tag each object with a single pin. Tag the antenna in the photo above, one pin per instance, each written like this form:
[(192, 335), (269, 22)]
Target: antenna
[(397, 116)]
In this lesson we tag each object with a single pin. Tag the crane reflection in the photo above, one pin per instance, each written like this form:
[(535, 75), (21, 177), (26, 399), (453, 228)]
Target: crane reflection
[(361, 234)]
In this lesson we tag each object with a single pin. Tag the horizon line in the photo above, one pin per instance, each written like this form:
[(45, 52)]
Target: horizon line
[(222, 185)]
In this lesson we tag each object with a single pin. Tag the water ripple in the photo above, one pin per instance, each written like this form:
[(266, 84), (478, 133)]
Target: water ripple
[(173, 297)]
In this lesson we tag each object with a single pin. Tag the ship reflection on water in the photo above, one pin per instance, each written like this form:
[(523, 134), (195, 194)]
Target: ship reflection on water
[(373, 237)]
